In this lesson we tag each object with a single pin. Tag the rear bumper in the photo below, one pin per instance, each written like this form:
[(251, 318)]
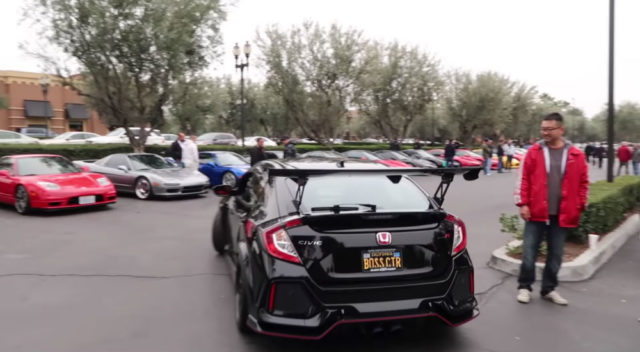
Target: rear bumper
[(306, 311)]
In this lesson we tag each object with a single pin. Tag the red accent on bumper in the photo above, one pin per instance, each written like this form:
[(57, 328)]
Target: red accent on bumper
[(363, 320)]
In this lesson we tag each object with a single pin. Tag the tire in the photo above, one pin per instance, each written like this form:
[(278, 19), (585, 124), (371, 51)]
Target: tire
[(228, 178), (218, 232), (240, 303), (22, 203), (142, 188)]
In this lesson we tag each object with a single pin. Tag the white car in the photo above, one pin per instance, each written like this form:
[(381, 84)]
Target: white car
[(16, 138), (119, 135), (70, 138), (253, 141)]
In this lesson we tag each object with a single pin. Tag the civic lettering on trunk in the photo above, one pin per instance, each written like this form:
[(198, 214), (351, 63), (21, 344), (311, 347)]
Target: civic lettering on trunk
[(309, 243)]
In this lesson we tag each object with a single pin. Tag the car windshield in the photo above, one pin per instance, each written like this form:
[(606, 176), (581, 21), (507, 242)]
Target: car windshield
[(45, 165), (398, 155), (330, 190), (115, 132), (228, 159), (205, 137), (148, 161)]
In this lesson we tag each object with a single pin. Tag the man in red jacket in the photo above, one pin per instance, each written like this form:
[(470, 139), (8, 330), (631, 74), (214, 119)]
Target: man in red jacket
[(551, 193), (624, 155)]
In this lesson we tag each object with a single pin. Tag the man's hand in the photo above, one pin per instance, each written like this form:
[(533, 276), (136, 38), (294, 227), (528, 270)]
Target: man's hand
[(525, 213)]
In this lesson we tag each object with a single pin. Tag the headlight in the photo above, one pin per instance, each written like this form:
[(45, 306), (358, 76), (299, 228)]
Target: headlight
[(48, 185), (103, 181)]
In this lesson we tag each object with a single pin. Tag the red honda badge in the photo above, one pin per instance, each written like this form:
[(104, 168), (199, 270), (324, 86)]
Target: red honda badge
[(383, 238)]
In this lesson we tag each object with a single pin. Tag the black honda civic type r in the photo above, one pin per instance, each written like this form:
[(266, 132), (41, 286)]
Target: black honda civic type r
[(316, 243)]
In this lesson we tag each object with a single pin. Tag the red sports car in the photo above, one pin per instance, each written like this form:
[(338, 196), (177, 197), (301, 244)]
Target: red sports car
[(365, 155), (41, 181)]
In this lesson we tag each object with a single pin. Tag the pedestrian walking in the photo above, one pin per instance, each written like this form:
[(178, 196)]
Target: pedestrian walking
[(257, 153), (588, 151), (449, 153), (395, 145), (417, 144), (509, 151), (290, 151), (175, 151), (500, 153), (635, 159), (598, 153), (487, 154), (551, 193), (624, 156), (190, 155)]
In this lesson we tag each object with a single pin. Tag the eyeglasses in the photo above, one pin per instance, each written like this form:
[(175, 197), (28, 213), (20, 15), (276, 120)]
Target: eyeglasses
[(549, 129)]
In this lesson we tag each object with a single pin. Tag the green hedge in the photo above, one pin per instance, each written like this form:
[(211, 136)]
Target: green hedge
[(608, 205), (97, 151)]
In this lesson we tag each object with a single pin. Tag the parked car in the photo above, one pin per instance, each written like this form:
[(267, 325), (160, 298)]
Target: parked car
[(424, 155), (38, 132), (465, 161), (253, 141), (223, 167), (515, 162), (393, 155), (147, 175), (365, 155), (119, 135), (43, 181), (170, 137), (16, 138), (330, 154), (312, 246), (216, 138), (70, 138)]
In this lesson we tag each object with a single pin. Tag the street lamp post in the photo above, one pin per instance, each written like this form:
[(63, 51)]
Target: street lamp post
[(45, 81), (242, 65), (611, 110)]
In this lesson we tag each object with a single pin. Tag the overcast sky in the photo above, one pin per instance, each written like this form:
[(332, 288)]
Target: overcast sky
[(559, 46)]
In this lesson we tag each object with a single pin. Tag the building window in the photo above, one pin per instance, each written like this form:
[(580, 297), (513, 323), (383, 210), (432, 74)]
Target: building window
[(76, 126)]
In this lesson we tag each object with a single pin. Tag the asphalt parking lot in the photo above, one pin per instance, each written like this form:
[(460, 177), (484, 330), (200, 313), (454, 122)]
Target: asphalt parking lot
[(142, 276)]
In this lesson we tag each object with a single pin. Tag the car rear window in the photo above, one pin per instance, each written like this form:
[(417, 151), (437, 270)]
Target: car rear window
[(379, 190)]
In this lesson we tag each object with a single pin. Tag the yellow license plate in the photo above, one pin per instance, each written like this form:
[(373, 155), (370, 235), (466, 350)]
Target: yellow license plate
[(386, 259)]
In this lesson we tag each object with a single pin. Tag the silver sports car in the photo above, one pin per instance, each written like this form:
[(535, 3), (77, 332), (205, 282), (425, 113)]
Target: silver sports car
[(148, 175)]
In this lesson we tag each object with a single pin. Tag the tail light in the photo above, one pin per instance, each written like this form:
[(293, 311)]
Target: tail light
[(459, 234), (279, 244)]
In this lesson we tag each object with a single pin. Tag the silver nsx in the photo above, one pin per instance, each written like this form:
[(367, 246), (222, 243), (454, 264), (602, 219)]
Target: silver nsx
[(148, 175)]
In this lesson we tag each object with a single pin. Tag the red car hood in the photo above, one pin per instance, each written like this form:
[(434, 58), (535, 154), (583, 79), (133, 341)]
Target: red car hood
[(467, 161), (393, 163), (74, 180)]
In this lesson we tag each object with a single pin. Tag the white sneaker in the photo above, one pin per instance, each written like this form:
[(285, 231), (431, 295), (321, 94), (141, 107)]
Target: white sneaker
[(524, 295), (555, 297)]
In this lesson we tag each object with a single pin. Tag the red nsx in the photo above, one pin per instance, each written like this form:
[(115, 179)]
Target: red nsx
[(42, 181)]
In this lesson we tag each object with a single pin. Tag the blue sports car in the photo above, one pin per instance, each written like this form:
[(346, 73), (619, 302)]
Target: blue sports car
[(223, 167)]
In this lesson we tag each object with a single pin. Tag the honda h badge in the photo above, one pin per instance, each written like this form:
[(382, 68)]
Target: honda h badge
[(383, 238)]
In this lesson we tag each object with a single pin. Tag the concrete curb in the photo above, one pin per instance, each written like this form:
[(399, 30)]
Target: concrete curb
[(582, 267)]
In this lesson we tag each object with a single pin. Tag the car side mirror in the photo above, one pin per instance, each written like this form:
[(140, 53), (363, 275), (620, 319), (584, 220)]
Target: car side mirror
[(123, 168), (85, 168), (5, 173)]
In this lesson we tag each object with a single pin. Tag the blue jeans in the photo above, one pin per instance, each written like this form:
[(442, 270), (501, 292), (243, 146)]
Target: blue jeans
[(534, 233), (487, 166), (500, 164), (636, 168)]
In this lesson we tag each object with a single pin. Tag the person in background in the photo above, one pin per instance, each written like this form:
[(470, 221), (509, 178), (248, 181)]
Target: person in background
[(551, 193), (487, 154), (635, 159), (509, 151), (500, 152), (588, 151), (395, 145), (624, 156), (257, 153), (290, 151), (175, 151), (416, 144), (449, 153), (190, 155)]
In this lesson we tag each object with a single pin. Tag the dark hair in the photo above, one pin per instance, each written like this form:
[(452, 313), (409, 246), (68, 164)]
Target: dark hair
[(554, 116)]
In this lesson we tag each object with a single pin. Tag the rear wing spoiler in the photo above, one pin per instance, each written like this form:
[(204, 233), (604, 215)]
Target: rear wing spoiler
[(446, 174)]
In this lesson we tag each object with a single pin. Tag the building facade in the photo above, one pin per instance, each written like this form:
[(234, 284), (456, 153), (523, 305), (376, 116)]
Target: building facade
[(58, 108)]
